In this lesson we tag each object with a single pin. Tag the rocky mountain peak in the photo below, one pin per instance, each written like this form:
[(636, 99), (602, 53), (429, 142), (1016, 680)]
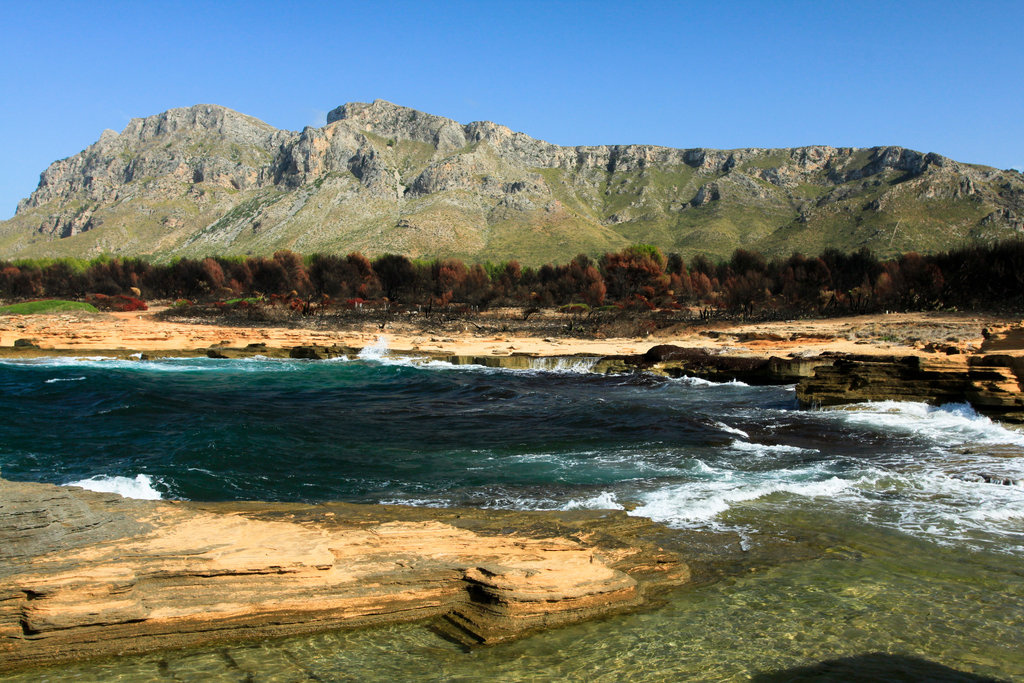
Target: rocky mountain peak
[(201, 118), (380, 177), (377, 110), (188, 144), (392, 121)]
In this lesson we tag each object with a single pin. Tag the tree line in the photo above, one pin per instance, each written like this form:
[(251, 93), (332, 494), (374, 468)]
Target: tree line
[(639, 277)]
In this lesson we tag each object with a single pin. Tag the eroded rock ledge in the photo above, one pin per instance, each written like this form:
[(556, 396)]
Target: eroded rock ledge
[(86, 574), (991, 383), (990, 379)]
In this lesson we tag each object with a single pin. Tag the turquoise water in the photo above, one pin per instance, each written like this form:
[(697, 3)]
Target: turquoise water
[(915, 561)]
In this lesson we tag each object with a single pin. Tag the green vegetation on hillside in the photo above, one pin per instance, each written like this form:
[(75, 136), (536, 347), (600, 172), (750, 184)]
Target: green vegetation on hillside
[(47, 306), (392, 180)]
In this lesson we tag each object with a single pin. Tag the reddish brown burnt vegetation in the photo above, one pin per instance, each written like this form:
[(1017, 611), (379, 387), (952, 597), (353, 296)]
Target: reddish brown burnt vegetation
[(639, 279)]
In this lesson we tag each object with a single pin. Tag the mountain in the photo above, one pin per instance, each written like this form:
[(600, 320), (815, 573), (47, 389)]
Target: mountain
[(381, 178)]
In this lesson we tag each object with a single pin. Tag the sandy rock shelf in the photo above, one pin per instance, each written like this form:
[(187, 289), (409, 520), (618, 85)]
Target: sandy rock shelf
[(85, 574)]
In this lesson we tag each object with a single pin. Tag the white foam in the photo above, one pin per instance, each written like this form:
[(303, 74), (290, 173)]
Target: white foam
[(935, 506), (962, 509), (568, 365), (1001, 514), (766, 449), (693, 381), (699, 502), (553, 458), (602, 501), (955, 423), (573, 366), (58, 361), (732, 430), (700, 382), (140, 487), (55, 380), (375, 351), (435, 364)]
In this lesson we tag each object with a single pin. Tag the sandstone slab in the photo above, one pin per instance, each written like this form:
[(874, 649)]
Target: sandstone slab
[(85, 574)]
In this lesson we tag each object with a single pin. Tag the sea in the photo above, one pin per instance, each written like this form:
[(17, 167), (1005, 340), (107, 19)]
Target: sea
[(909, 518)]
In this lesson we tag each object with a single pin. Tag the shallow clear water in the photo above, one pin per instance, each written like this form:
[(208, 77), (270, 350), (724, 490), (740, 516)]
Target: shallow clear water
[(915, 554)]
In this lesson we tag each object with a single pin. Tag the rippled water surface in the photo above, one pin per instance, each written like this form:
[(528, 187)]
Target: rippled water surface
[(918, 560)]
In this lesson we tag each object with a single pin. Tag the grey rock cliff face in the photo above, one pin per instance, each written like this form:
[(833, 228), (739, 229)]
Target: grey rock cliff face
[(380, 177), (119, 158), (204, 143)]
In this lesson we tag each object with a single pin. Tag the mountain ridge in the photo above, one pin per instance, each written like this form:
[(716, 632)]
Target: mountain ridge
[(378, 177)]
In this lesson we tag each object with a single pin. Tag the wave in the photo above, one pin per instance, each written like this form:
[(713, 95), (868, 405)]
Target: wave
[(566, 365), (417, 502), (944, 509), (701, 382), (605, 500), (951, 423), (767, 449), (162, 365), (56, 380), (378, 350), (140, 487), (623, 466), (57, 361), (731, 430), (376, 353), (928, 503), (701, 502)]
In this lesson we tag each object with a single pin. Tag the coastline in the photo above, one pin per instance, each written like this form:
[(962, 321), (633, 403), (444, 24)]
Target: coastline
[(876, 334), (88, 570), (930, 357)]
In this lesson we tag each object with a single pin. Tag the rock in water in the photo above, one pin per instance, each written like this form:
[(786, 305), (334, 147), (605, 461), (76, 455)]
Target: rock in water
[(84, 574)]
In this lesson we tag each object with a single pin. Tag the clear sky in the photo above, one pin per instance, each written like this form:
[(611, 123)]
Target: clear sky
[(936, 76)]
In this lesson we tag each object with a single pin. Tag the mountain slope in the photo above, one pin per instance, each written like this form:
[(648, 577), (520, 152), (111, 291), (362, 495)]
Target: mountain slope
[(382, 178)]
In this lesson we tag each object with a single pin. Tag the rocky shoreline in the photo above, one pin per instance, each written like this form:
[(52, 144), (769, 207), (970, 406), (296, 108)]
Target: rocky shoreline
[(990, 382), (87, 574), (989, 378)]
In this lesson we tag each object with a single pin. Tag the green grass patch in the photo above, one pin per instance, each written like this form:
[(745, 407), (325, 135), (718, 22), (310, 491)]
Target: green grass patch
[(47, 306), (774, 158), (809, 191)]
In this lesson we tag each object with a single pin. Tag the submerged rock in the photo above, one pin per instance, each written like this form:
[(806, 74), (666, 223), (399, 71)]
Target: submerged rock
[(988, 478), (677, 361), (305, 352)]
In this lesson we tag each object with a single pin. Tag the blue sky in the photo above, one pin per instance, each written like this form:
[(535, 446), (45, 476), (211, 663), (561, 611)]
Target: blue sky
[(938, 76)]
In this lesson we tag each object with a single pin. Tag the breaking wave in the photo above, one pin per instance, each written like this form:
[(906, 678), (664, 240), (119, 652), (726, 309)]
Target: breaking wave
[(140, 486)]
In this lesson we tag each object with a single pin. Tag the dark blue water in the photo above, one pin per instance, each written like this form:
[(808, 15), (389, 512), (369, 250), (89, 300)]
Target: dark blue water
[(921, 558), (360, 431), (685, 452)]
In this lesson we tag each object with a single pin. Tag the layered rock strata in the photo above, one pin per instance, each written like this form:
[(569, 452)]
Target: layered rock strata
[(991, 383), (85, 574)]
